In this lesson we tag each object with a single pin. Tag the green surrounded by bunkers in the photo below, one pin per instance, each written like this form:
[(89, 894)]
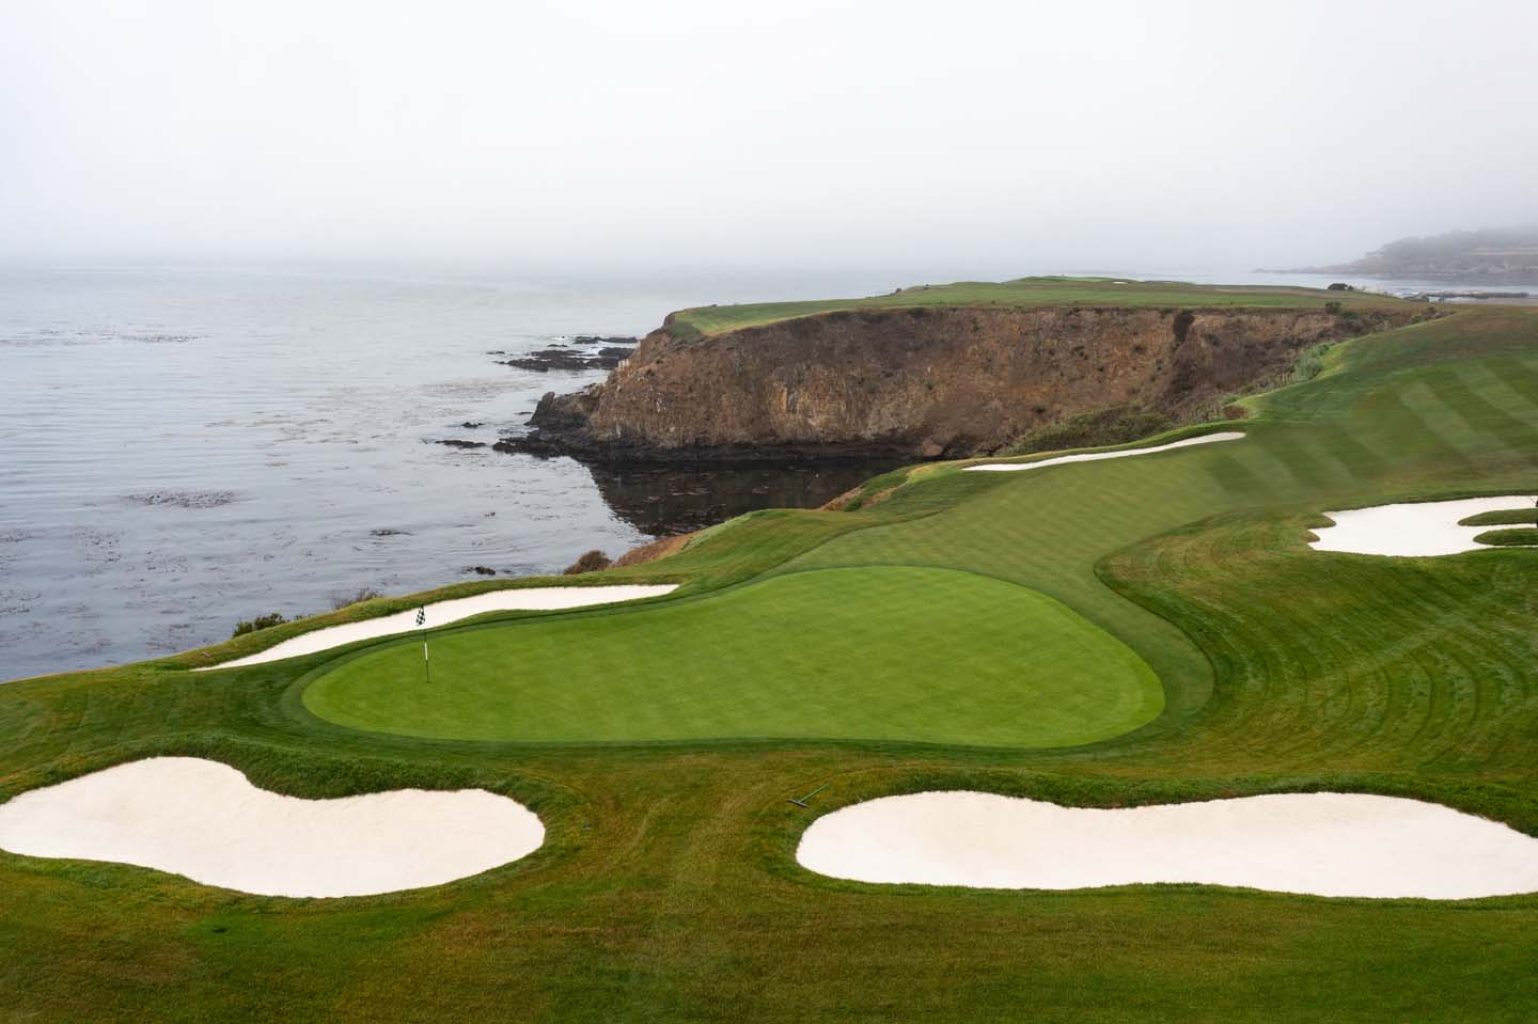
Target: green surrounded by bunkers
[(886, 653), (950, 630)]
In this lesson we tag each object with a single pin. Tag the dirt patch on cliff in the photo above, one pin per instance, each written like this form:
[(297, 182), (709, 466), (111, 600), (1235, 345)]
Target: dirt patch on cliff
[(657, 549)]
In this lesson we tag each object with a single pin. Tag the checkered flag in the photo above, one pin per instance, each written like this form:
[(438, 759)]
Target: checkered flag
[(427, 668)]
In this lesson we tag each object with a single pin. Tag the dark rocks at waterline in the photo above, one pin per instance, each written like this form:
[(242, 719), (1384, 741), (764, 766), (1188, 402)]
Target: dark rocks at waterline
[(481, 570), (560, 426), (593, 339), (560, 358), (459, 442), (387, 532), (560, 416), (470, 425), (661, 501), (548, 443)]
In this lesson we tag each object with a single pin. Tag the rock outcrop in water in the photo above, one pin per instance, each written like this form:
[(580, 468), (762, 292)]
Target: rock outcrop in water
[(920, 383), (559, 357)]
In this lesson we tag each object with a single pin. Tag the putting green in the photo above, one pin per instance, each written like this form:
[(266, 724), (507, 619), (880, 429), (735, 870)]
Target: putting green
[(880, 653)]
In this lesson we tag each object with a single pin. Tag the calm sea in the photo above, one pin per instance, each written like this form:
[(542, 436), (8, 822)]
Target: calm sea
[(183, 449)]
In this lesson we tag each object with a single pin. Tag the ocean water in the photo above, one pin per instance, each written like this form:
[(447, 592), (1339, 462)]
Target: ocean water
[(183, 449)]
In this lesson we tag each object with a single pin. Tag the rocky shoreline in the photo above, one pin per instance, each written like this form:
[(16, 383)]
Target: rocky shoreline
[(561, 427), (562, 356), (587, 449)]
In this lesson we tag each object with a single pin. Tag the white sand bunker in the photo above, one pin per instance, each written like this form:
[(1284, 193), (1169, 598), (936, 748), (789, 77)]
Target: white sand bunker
[(204, 820), (1420, 528), (1327, 844), (1016, 467), (441, 613)]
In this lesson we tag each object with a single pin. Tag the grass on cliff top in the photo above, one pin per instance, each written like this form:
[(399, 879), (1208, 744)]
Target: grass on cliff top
[(1032, 291), (668, 889)]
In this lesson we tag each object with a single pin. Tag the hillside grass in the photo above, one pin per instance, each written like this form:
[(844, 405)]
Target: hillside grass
[(1519, 537), (1028, 292), (668, 889), (1503, 517)]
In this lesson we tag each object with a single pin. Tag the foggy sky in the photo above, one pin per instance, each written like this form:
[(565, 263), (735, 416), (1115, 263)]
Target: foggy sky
[(955, 138)]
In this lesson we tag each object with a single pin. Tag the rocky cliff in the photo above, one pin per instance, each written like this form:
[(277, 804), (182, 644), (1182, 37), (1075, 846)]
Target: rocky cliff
[(923, 382)]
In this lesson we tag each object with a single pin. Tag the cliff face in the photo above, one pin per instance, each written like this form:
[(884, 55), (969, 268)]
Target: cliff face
[(922, 382)]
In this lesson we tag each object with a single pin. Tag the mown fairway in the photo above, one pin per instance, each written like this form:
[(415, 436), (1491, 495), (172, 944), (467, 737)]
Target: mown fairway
[(668, 889), (890, 653)]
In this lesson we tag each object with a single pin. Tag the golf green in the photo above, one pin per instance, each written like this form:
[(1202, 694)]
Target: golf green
[(889, 653)]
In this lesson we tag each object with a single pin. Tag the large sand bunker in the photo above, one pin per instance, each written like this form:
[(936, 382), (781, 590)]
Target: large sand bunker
[(1016, 467), (1327, 844), (204, 820), (1420, 528), (441, 613)]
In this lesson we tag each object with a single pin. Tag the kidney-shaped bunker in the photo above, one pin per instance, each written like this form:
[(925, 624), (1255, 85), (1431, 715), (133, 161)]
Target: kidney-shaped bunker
[(1328, 844), (205, 820)]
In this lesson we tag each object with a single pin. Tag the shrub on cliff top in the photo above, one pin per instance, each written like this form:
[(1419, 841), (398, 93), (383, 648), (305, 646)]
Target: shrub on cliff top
[(591, 561), (1310, 363), (1116, 425), (341, 598), (267, 621)]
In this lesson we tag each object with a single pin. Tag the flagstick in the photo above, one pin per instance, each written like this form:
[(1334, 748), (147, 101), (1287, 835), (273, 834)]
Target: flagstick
[(427, 665)]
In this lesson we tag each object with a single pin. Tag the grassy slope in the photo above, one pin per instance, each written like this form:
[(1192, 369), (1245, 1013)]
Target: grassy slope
[(1507, 517), (1027, 292), (1523, 537), (667, 891), (805, 655)]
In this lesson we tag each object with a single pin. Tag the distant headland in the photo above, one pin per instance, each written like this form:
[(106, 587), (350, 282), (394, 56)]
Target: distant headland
[(1489, 255)]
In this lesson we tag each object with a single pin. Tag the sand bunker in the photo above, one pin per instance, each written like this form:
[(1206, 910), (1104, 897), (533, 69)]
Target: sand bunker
[(204, 820), (1419, 528), (1327, 844), (1016, 467), (441, 613)]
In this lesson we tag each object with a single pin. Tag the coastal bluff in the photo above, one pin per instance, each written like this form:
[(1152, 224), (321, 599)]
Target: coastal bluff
[(925, 381)]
